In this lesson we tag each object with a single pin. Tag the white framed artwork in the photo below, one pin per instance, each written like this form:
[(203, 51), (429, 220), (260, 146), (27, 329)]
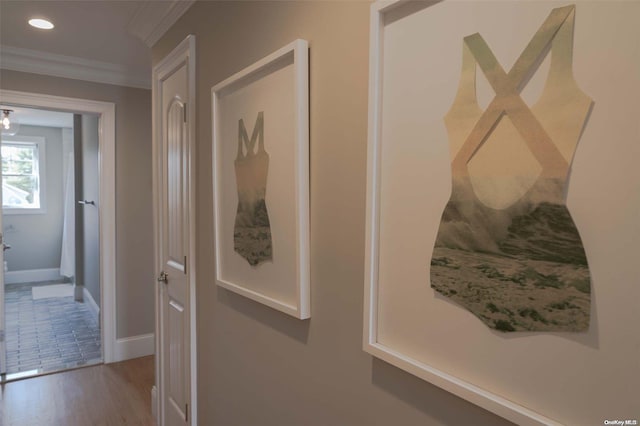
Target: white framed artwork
[(261, 181), (498, 263)]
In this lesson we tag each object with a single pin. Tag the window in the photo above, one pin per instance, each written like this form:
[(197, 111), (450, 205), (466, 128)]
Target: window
[(22, 172)]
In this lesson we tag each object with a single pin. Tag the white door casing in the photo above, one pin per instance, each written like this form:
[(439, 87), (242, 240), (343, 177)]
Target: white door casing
[(3, 345), (174, 225), (107, 202)]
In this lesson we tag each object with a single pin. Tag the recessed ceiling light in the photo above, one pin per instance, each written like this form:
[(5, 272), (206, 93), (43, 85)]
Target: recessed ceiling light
[(43, 24)]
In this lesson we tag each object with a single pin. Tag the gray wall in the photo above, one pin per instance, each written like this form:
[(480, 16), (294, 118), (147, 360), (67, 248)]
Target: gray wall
[(36, 239), (90, 222), (134, 227), (257, 366)]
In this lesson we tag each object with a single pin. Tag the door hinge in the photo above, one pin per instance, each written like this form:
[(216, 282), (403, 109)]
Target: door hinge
[(1, 335), (185, 113), (186, 412), (185, 265)]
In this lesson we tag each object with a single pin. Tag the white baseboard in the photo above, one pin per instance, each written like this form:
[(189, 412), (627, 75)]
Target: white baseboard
[(134, 347), (154, 402), (91, 304), (32, 275)]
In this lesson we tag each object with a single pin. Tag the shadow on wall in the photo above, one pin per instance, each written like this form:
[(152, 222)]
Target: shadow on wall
[(279, 321), (427, 397)]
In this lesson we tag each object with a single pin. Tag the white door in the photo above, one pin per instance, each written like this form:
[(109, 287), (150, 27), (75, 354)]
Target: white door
[(173, 243)]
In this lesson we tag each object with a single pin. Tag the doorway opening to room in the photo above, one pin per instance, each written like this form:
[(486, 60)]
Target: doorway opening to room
[(51, 295)]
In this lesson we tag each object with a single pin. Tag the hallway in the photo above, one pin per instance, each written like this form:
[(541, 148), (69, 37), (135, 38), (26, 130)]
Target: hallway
[(113, 394)]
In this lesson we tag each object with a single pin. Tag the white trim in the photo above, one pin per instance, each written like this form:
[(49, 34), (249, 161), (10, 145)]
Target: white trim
[(39, 62), (489, 401), (154, 403), (90, 302), (134, 347), (193, 336), (19, 212), (31, 275), (153, 19), (184, 52), (107, 205)]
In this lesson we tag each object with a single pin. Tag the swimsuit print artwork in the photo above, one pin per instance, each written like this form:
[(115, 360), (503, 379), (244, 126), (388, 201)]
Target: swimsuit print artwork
[(252, 230), (507, 248)]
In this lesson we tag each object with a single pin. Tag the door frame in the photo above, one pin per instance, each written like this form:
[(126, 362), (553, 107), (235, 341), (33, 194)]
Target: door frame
[(183, 53), (107, 205)]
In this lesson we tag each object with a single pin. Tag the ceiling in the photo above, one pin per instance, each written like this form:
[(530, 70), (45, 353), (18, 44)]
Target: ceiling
[(114, 36), (40, 117)]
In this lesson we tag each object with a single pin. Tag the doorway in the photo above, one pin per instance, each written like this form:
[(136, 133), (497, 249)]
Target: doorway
[(103, 114), (51, 241)]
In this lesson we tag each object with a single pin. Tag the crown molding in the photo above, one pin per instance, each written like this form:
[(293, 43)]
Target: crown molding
[(37, 62), (154, 18)]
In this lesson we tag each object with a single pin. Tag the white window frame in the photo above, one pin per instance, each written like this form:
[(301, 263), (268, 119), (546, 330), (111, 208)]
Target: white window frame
[(39, 141)]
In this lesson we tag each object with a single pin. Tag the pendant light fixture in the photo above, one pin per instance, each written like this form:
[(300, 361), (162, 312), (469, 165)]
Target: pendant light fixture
[(10, 126)]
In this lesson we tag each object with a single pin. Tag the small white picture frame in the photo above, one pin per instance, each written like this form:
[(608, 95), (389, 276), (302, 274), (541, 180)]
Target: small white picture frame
[(261, 146)]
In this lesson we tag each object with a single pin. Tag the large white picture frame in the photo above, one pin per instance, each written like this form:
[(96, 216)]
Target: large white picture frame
[(261, 181), (527, 378)]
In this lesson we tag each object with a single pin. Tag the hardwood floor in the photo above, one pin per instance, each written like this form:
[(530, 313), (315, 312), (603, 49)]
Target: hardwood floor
[(114, 394)]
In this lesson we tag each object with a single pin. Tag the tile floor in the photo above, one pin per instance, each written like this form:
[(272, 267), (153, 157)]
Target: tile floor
[(48, 334)]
